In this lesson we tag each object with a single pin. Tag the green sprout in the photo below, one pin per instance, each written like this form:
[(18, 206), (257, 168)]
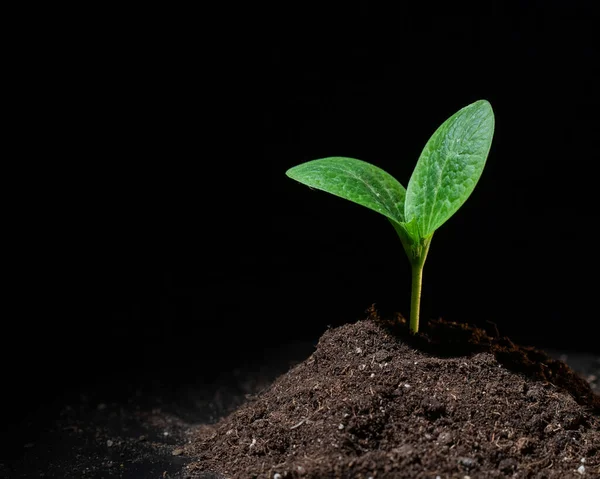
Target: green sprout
[(445, 176)]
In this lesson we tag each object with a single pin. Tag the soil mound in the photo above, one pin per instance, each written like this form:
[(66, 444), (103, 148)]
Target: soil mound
[(376, 401)]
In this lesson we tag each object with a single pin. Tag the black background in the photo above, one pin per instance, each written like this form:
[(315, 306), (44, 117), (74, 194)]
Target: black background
[(161, 230)]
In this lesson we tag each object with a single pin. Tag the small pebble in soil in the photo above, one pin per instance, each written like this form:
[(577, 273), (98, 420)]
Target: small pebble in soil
[(467, 462)]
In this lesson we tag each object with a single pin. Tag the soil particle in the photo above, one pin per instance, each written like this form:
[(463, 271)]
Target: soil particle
[(375, 401)]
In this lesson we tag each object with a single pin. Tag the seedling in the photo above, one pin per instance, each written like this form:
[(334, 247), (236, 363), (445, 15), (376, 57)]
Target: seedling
[(445, 175)]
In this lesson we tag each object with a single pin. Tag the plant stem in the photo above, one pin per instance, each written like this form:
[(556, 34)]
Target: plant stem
[(417, 262), (415, 296), (416, 250)]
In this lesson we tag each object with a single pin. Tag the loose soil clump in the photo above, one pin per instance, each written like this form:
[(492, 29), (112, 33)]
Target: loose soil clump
[(375, 401)]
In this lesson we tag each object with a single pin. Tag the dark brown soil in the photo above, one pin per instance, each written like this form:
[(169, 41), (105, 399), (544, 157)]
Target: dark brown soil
[(375, 401)]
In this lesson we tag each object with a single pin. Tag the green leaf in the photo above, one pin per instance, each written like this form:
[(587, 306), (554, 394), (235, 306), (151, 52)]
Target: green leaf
[(449, 167), (354, 180)]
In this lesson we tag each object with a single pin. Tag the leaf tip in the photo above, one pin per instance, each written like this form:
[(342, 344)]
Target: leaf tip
[(291, 172), (484, 104), (485, 112)]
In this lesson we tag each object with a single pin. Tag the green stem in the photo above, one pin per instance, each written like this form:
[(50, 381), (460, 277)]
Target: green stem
[(417, 262), (415, 297), (416, 250)]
